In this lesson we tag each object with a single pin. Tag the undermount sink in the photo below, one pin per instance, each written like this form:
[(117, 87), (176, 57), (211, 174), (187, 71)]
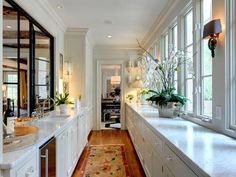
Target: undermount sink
[(23, 136)]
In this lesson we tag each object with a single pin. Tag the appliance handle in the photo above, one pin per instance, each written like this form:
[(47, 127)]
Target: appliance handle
[(46, 162)]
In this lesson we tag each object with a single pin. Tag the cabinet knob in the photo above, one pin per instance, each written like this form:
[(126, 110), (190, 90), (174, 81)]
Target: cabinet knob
[(169, 158), (30, 172)]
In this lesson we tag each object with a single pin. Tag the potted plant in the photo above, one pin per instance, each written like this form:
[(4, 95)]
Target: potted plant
[(144, 92), (165, 69), (130, 97), (62, 100), (167, 101)]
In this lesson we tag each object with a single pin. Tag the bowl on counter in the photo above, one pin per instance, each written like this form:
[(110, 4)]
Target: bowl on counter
[(22, 137)]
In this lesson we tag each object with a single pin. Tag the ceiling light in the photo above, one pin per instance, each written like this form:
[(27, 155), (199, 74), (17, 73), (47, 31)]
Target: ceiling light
[(108, 22), (109, 36), (9, 27), (59, 6)]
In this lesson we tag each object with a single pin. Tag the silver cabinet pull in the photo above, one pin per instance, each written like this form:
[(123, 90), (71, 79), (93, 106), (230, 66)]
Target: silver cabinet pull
[(46, 162)]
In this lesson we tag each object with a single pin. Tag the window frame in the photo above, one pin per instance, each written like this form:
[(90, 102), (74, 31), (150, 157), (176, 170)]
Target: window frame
[(185, 46), (200, 112), (230, 112), (31, 81)]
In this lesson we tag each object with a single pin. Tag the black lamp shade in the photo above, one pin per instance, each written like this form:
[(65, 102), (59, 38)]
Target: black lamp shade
[(213, 28)]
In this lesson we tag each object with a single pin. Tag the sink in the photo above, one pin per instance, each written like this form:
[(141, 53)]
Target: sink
[(23, 136)]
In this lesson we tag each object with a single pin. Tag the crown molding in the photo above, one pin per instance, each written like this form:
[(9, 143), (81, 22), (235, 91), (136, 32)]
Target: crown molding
[(51, 12), (76, 31), (150, 36), (116, 47)]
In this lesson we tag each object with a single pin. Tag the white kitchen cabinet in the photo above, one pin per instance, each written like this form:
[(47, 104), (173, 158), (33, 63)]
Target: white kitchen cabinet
[(28, 167), (157, 159), (157, 165), (176, 165), (167, 172), (81, 138), (72, 147), (70, 144), (62, 154)]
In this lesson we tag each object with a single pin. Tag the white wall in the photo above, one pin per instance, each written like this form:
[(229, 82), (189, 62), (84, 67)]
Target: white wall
[(79, 51)]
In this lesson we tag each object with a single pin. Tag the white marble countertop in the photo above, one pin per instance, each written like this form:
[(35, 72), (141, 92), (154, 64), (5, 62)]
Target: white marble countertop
[(49, 127), (206, 151)]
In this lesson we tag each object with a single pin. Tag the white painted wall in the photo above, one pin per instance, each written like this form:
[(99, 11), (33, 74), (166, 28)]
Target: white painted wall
[(79, 51)]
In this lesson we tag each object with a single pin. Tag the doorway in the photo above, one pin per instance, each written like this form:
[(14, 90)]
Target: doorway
[(109, 95)]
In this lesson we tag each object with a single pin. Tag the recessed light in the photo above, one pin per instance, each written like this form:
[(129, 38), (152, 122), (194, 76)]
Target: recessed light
[(109, 36), (59, 6), (9, 27), (107, 22)]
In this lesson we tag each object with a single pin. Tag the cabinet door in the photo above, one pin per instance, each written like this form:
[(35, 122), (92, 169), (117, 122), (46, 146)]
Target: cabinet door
[(62, 154), (29, 169), (72, 142), (167, 172), (157, 165)]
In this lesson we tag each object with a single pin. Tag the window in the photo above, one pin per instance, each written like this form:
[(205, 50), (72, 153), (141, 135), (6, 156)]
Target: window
[(188, 48), (174, 47), (206, 64), (165, 45), (231, 66)]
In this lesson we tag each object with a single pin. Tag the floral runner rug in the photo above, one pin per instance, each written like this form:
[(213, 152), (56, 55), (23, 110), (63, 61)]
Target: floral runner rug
[(105, 161)]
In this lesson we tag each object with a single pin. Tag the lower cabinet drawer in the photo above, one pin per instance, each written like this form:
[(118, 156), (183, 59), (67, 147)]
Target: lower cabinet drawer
[(29, 169), (176, 165)]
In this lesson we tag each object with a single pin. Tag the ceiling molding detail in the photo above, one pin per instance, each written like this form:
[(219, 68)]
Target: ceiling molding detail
[(51, 12), (150, 36)]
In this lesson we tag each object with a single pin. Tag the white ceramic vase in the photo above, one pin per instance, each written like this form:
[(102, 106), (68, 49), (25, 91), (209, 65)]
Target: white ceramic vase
[(63, 109)]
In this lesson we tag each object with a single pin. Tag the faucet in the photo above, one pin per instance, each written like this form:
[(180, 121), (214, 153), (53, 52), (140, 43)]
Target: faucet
[(37, 114), (40, 108)]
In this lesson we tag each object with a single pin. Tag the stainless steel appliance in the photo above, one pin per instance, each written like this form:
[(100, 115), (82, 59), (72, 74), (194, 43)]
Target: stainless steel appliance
[(48, 158)]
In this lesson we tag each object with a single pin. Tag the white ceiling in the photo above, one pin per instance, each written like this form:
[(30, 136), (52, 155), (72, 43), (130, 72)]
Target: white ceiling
[(131, 19)]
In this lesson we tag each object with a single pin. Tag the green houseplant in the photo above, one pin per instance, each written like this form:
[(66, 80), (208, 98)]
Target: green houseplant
[(62, 100), (166, 98), (130, 97)]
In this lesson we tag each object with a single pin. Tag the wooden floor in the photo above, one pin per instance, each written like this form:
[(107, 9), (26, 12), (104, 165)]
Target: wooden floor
[(114, 137)]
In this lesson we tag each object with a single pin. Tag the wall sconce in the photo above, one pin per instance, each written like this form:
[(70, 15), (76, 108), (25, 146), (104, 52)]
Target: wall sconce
[(211, 31)]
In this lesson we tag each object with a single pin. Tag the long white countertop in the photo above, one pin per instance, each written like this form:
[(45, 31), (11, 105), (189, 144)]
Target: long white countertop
[(206, 151), (48, 127)]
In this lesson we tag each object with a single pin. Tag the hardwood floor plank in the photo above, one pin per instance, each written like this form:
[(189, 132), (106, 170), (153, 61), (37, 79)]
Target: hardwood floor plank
[(113, 137)]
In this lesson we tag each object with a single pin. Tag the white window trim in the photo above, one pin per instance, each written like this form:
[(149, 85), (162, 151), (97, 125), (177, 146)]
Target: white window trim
[(230, 112)]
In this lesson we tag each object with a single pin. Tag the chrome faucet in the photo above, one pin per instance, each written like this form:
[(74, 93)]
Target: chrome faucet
[(37, 114)]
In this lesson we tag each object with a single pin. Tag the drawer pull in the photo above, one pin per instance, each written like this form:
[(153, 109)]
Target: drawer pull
[(30, 172), (169, 158), (46, 162)]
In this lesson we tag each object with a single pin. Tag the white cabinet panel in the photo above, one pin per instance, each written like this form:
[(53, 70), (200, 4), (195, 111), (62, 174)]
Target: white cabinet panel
[(62, 154), (29, 169), (157, 159), (176, 165), (167, 172)]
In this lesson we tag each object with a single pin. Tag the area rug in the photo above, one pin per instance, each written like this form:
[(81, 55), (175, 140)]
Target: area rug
[(105, 161)]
